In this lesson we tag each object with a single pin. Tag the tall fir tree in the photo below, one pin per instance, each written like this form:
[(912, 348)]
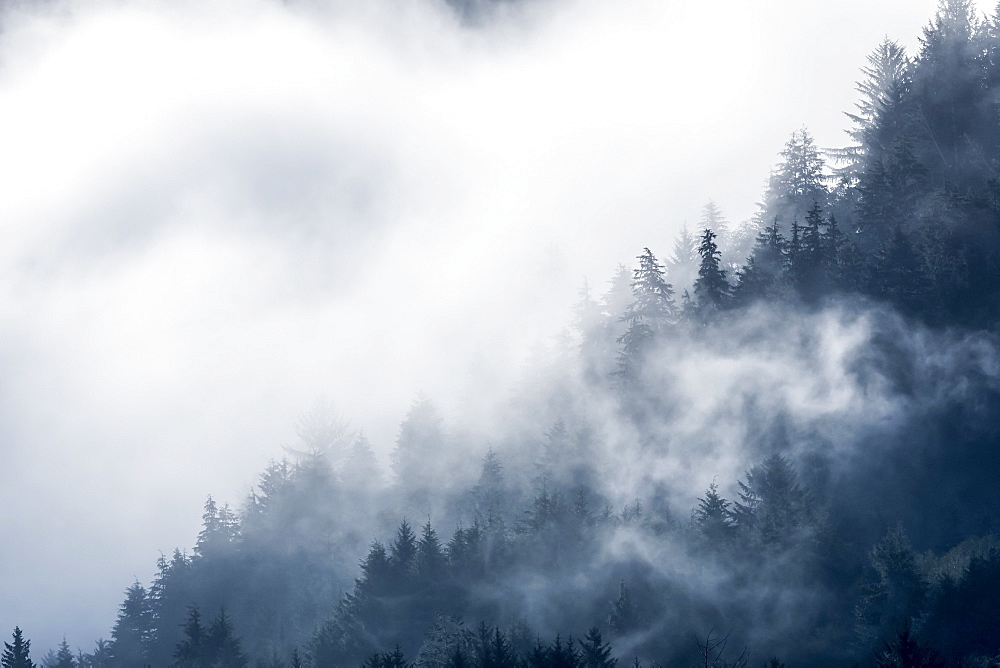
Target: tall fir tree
[(711, 290), (17, 654), (133, 629), (651, 313)]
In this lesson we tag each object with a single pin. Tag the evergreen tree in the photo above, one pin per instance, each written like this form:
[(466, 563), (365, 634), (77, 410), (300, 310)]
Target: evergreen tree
[(420, 456), (17, 654), (713, 219), (651, 313), (881, 112), (682, 265), (900, 275), (797, 182), (539, 656), (218, 532), (760, 276), (653, 302), (430, 559), (375, 571), (594, 652), (394, 659), (906, 652), (894, 591), (490, 492), (101, 657), (812, 262), (772, 508), (711, 289), (360, 470), (64, 657), (190, 650), (713, 518), (624, 617), (403, 553), (563, 655), (949, 95), (221, 646), (133, 629)]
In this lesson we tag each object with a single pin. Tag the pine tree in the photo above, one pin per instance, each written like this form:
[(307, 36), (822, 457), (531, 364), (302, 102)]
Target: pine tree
[(563, 655), (624, 617), (797, 182), (713, 517), (682, 265), (218, 532), (64, 657), (811, 260), (596, 653), (430, 560), (881, 112), (539, 656), (360, 470), (375, 571), (713, 219), (651, 313), (490, 492), (221, 646), (894, 590), (711, 290), (133, 629), (419, 456), (403, 552), (949, 93), (906, 652), (653, 302), (760, 276), (190, 649), (773, 508), (394, 659), (17, 654)]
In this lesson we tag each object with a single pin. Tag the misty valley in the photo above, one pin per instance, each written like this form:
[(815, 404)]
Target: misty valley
[(826, 372)]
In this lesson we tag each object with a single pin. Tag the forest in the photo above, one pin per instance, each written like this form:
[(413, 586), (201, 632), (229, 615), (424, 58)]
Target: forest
[(845, 338)]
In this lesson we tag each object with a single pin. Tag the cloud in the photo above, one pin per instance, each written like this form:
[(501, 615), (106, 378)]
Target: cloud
[(215, 211)]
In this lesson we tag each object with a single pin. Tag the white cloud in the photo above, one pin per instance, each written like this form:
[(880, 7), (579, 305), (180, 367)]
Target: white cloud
[(214, 211)]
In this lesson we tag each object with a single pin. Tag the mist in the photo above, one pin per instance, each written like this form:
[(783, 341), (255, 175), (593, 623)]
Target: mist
[(216, 213)]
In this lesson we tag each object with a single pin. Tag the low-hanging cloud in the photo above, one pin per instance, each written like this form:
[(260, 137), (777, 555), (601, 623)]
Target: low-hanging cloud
[(213, 212)]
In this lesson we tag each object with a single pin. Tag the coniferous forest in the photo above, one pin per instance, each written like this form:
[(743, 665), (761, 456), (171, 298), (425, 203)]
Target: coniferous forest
[(863, 529)]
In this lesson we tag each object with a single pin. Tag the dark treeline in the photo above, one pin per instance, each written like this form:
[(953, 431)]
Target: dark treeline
[(859, 307)]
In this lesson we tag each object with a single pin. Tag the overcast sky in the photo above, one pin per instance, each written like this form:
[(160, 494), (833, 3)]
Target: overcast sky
[(215, 211)]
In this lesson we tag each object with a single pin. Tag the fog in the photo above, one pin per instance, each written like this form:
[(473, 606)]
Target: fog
[(216, 212)]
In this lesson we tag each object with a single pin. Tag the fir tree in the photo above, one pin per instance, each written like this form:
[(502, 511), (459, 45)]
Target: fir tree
[(906, 652), (713, 517), (711, 289), (133, 629), (190, 649), (624, 617), (651, 313), (430, 560), (17, 654), (713, 219), (682, 265), (594, 652), (221, 646), (403, 552), (773, 508), (64, 657)]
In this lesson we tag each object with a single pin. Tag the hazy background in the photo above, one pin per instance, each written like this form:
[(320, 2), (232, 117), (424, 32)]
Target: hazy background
[(215, 211)]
